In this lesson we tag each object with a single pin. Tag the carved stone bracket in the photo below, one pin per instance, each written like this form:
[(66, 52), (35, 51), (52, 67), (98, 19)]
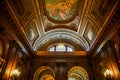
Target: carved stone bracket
[(108, 28)]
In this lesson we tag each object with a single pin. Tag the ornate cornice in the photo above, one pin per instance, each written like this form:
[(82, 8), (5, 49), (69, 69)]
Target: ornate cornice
[(15, 28), (107, 29)]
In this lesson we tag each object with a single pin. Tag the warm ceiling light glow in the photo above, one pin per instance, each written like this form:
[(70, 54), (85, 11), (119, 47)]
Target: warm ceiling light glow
[(108, 73)]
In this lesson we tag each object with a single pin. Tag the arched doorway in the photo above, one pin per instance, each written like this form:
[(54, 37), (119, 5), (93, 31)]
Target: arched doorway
[(77, 73), (44, 73)]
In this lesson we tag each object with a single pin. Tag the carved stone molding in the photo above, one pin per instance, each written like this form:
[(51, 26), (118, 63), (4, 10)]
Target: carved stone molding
[(108, 28), (15, 27)]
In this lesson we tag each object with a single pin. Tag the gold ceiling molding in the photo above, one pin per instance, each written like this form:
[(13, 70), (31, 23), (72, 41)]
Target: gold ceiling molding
[(35, 24), (49, 22), (62, 54)]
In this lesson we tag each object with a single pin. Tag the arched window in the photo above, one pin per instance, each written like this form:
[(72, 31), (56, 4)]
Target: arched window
[(61, 47)]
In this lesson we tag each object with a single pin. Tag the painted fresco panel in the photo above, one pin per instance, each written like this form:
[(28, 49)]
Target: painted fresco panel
[(61, 9)]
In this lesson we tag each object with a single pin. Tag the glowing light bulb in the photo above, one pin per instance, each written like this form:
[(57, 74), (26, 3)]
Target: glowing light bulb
[(15, 73)]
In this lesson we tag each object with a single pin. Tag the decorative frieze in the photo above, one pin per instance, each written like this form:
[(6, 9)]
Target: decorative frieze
[(108, 28), (15, 27)]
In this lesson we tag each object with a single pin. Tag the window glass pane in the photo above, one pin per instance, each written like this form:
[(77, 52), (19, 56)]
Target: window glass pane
[(69, 49), (52, 49), (58, 48), (61, 47)]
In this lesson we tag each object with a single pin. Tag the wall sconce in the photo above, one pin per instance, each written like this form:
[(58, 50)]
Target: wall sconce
[(15, 74), (108, 75)]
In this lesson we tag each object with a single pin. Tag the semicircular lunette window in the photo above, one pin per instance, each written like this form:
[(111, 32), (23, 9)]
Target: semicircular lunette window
[(61, 47)]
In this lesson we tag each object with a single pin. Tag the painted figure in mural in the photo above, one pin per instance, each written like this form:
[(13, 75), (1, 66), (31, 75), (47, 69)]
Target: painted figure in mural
[(61, 8)]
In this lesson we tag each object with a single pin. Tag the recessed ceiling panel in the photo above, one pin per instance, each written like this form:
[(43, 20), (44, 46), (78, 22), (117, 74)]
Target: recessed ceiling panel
[(90, 32), (61, 9), (31, 31)]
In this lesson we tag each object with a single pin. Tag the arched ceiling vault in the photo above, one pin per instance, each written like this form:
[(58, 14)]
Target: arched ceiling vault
[(61, 35), (45, 21)]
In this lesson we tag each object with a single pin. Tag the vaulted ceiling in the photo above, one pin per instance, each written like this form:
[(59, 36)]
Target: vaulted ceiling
[(75, 22)]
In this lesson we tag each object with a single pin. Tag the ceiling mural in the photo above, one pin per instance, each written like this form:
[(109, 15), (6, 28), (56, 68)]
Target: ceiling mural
[(61, 9), (60, 14), (75, 22)]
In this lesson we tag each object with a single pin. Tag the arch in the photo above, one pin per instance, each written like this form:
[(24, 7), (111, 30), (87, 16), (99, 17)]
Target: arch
[(61, 10), (47, 77), (43, 73), (61, 34), (77, 73)]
